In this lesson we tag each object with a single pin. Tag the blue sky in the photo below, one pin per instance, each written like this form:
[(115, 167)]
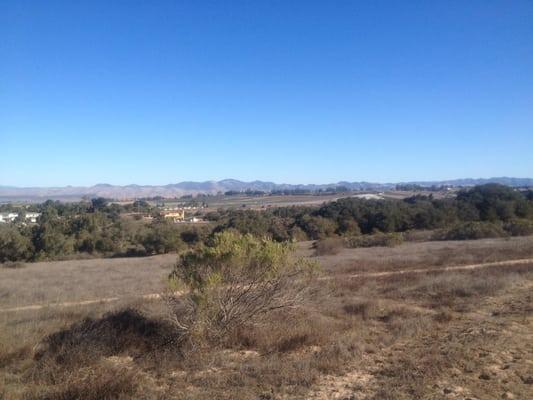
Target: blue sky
[(154, 92)]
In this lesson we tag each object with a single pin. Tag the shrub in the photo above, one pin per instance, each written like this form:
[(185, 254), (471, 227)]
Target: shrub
[(474, 230), (519, 227), (236, 280), (96, 383), (162, 237), (375, 240), (13, 245), (317, 227), (328, 246), (13, 264)]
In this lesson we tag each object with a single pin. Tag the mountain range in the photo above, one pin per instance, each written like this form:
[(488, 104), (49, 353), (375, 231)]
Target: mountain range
[(10, 193)]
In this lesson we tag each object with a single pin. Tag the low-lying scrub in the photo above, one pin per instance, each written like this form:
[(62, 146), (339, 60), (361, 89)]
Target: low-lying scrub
[(328, 246), (519, 227), (375, 240), (474, 230), (84, 343), (102, 381)]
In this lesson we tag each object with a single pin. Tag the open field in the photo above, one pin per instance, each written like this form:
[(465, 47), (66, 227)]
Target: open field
[(437, 334), (259, 202)]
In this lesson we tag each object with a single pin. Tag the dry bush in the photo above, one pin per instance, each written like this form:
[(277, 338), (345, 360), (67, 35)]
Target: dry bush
[(333, 358), (96, 383), (9, 355), (12, 264), (86, 342), (286, 331), (443, 316), (235, 281), (361, 309), (408, 375), (328, 246)]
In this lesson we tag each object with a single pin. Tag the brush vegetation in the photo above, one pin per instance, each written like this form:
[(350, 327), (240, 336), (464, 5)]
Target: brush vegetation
[(98, 228)]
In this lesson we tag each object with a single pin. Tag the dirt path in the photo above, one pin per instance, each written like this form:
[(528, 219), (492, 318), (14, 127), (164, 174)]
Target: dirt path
[(155, 296), (508, 263)]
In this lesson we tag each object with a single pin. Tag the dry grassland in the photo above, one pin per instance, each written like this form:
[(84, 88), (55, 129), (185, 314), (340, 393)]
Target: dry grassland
[(425, 335)]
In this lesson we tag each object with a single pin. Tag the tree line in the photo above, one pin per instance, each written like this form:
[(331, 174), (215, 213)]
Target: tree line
[(485, 205), (98, 228)]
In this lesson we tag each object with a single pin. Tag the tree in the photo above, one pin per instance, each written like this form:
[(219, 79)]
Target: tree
[(98, 203), (162, 237), (317, 227), (13, 245), (21, 217), (238, 279)]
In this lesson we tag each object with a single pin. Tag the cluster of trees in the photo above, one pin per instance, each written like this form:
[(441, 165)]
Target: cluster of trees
[(96, 227), (66, 229), (490, 204)]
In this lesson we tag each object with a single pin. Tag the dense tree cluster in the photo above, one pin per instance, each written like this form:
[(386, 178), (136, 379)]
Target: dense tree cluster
[(97, 227), (491, 204), (66, 229)]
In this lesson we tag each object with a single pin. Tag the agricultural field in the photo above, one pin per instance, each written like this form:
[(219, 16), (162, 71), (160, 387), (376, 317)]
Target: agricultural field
[(267, 201), (422, 320)]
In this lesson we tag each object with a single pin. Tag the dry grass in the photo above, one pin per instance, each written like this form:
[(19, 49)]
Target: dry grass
[(77, 280), (414, 255), (427, 335)]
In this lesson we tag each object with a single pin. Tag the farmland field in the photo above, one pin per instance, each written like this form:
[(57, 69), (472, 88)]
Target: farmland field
[(259, 202)]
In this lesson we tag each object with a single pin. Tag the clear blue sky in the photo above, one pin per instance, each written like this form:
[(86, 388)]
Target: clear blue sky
[(154, 92)]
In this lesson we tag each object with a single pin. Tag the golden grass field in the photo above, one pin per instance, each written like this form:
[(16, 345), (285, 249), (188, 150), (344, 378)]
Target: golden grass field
[(426, 333)]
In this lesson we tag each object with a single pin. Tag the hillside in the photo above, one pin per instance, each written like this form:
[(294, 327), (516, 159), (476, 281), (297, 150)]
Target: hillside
[(8, 193)]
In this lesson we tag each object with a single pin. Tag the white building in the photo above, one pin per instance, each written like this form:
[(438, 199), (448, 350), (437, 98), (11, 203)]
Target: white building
[(32, 216), (8, 217)]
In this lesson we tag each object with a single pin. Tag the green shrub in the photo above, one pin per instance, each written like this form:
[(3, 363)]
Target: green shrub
[(236, 280), (474, 230), (519, 227), (375, 240), (13, 245)]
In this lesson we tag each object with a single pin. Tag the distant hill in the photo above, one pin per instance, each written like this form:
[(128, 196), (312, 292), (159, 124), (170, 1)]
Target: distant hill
[(10, 193)]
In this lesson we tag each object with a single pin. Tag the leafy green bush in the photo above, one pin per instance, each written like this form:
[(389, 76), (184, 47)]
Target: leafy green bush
[(162, 237), (13, 245), (238, 279)]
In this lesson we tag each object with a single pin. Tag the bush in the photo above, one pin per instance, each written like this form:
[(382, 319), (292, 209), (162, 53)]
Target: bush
[(12, 265), (474, 230), (236, 280), (328, 246), (375, 240), (13, 245), (519, 227), (162, 237)]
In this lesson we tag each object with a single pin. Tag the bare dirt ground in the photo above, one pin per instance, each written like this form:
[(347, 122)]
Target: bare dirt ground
[(430, 332)]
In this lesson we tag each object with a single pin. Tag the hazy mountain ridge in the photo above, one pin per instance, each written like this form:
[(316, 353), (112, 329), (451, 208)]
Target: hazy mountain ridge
[(213, 187)]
